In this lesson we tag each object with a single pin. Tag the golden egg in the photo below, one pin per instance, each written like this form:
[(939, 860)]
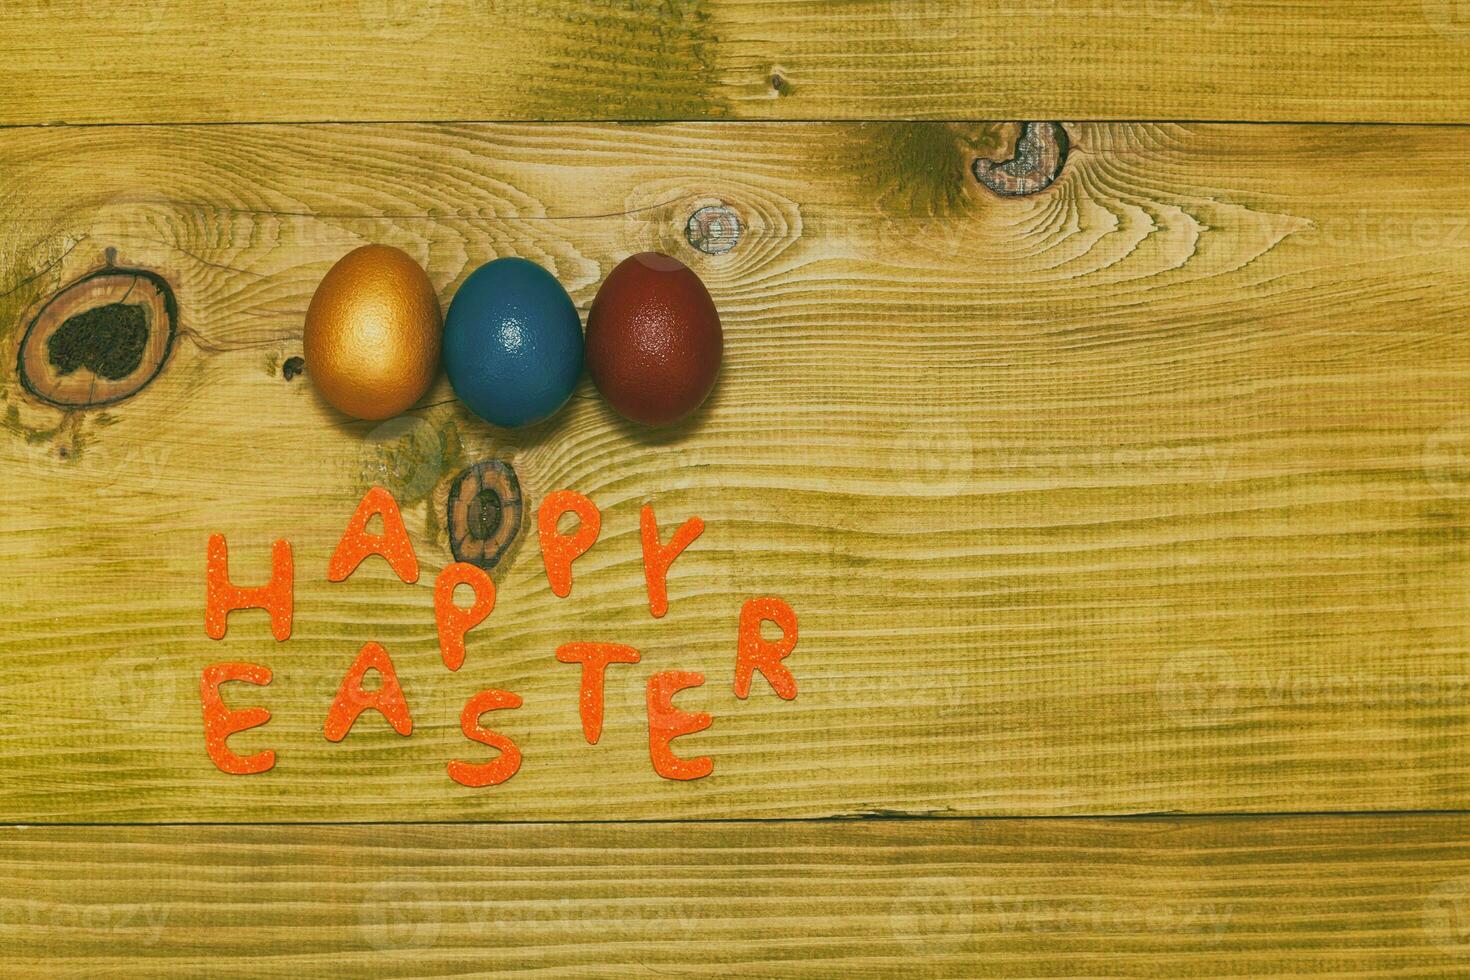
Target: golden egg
[(373, 333)]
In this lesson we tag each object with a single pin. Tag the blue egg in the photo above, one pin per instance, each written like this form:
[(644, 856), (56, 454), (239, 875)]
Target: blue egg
[(512, 343)]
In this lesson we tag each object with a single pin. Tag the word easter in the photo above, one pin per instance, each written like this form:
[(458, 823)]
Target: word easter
[(558, 551)]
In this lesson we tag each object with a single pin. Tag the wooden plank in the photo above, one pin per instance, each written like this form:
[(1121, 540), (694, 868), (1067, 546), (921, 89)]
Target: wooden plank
[(1145, 493), (1374, 896), (77, 61)]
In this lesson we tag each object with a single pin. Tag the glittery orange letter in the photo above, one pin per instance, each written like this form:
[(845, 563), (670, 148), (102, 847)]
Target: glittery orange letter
[(454, 622), (754, 652), (392, 544), (220, 722), (352, 700), (658, 557), (220, 596), (558, 550), (497, 770), (594, 658), (666, 722)]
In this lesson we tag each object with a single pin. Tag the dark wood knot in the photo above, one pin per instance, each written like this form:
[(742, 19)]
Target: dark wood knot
[(1040, 155), (99, 340), (484, 513), (714, 230)]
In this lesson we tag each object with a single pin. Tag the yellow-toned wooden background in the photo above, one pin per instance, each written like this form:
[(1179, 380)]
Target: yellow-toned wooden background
[(1144, 495)]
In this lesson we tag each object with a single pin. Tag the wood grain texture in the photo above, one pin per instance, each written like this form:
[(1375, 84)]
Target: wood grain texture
[(78, 61), (1380, 897), (1146, 493)]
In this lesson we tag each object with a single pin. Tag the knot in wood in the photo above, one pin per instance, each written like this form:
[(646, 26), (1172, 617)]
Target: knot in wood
[(484, 513), (99, 340), (1040, 155), (714, 230)]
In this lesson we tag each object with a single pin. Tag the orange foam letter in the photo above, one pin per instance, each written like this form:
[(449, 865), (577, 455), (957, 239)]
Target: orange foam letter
[(754, 652), (558, 550), (392, 544), (658, 557), (220, 722), (454, 622), (497, 770), (594, 658), (352, 700), (666, 722), (221, 597)]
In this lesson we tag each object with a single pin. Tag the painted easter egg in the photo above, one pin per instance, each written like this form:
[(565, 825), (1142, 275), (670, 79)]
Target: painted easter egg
[(373, 332), (512, 343), (654, 341)]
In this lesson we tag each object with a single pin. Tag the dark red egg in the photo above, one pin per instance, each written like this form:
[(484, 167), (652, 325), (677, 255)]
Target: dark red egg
[(654, 341)]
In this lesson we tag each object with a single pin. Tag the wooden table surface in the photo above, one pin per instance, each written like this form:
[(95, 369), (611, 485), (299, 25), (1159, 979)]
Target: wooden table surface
[(1125, 517)]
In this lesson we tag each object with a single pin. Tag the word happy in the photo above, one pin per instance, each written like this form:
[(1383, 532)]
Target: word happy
[(753, 654)]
